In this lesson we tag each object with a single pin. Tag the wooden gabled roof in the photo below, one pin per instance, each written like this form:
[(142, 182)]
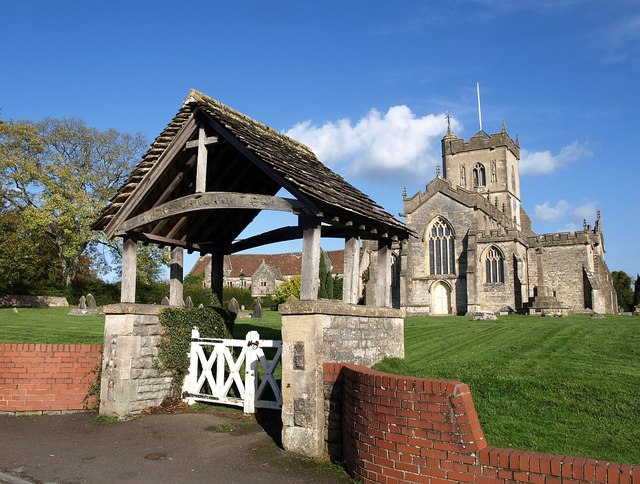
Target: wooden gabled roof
[(247, 164)]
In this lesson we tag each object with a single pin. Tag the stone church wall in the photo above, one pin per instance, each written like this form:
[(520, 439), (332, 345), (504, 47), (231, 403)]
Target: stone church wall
[(562, 271), (496, 296), (417, 297)]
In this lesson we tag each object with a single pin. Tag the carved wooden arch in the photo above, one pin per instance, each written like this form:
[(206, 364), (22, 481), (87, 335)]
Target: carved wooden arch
[(213, 201)]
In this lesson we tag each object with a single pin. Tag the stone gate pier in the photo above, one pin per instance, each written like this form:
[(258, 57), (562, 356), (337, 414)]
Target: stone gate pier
[(321, 331), (130, 382)]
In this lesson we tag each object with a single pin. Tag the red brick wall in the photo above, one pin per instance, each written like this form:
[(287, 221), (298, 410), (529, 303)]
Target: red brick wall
[(46, 377), (404, 429)]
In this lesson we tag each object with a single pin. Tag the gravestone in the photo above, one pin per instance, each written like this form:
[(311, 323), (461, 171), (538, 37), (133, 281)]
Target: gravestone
[(257, 309), (86, 307), (91, 303), (188, 302), (233, 306), (201, 306), (165, 301)]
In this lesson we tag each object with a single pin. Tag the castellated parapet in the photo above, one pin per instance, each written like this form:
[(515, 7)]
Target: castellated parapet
[(452, 145)]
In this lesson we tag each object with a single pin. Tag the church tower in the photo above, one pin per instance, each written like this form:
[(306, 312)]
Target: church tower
[(487, 164)]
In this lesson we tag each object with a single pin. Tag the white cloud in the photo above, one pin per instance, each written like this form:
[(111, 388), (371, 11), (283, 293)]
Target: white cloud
[(548, 213), (586, 210), (573, 215), (543, 162), (396, 143)]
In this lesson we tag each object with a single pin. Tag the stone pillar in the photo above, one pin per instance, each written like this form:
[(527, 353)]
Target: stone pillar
[(351, 281), (129, 270), (310, 277), (217, 273), (176, 296), (317, 332), (130, 383)]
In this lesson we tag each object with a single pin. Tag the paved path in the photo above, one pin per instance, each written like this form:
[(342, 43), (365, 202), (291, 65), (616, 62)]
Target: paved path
[(159, 448)]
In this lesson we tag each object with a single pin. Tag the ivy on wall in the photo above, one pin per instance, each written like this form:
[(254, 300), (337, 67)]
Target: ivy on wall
[(173, 350)]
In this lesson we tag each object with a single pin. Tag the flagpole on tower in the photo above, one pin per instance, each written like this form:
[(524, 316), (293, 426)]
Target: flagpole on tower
[(479, 109)]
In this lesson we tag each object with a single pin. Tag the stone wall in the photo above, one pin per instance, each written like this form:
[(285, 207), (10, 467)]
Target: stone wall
[(407, 429), (315, 332), (130, 382), (33, 301), (46, 377), (562, 272)]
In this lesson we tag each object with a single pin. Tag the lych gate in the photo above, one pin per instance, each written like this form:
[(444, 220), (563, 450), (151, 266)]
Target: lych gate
[(202, 182)]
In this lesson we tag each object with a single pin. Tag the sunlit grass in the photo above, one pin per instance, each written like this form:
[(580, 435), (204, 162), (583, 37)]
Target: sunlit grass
[(49, 325), (564, 385)]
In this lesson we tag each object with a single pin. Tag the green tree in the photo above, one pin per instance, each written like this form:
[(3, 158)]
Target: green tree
[(58, 174), (286, 289), (636, 292), (622, 285), (27, 257), (325, 289)]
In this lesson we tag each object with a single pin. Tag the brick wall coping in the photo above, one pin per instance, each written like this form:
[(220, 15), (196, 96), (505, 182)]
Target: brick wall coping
[(337, 308), (410, 429), (133, 308), (48, 347)]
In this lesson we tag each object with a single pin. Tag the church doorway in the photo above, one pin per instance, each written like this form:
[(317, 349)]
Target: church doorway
[(441, 297)]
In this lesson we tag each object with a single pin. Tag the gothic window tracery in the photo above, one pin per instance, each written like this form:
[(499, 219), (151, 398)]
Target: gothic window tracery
[(479, 176), (494, 266), (441, 248)]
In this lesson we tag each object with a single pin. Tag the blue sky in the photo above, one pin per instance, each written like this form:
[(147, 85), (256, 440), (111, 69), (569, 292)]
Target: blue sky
[(366, 84)]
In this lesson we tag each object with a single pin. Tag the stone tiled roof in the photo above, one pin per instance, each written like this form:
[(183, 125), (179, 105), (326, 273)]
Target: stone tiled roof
[(267, 161)]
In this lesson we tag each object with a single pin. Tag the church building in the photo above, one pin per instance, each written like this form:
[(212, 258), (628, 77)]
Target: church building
[(475, 249)]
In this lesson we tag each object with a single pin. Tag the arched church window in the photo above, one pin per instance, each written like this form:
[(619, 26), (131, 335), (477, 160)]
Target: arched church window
[(479, 176), (494, 266), (463, 176), (441, 248)]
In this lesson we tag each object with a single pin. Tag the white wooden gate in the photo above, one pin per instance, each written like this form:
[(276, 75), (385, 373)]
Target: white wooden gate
[(215, 376)]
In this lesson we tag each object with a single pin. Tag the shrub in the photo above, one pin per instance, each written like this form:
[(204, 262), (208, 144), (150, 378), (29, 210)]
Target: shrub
[(286, 289)]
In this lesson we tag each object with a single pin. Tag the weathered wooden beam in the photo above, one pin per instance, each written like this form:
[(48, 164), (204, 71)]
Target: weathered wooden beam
[(310, 277), (165, 241), (176, 271), (283, 182), (201, 169), (129, 260), (209, 140), (217, 273), (351, 280), (383, 280), (151, 177), (281, 234), (212, 201)]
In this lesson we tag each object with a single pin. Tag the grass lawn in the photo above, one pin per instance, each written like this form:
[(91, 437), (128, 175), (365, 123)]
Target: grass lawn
[(567, 385), (49, 325)]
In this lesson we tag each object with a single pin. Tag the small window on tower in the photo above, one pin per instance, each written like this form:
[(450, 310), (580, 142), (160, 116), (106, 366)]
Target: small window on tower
[(479, 176)]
